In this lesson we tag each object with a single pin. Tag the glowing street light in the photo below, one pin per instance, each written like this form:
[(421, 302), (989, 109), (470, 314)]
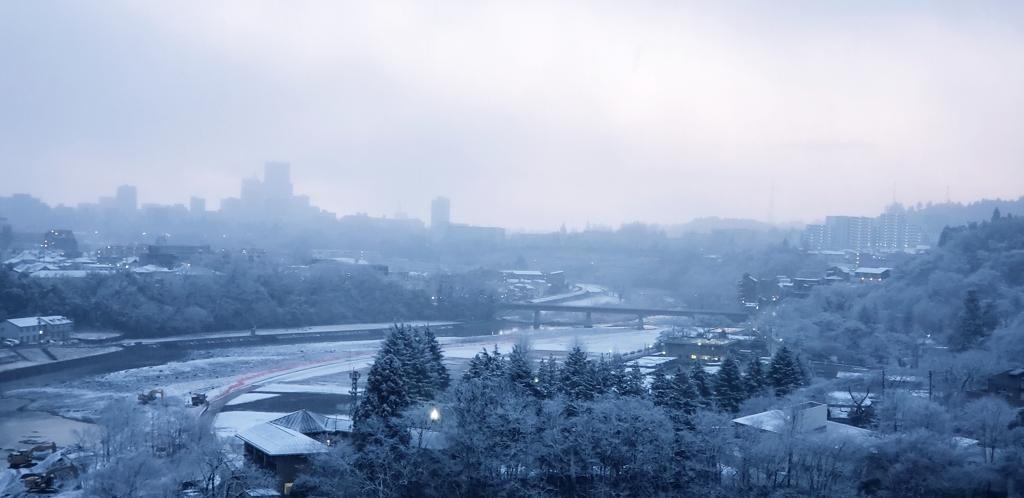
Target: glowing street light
[(435, 415)]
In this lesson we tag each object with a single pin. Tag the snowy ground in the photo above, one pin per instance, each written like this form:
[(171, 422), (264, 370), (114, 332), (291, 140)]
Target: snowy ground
[(263, 372), (252, 375), (308, 388), (249, 398), (332, 377), (95, 336), (598, 340)]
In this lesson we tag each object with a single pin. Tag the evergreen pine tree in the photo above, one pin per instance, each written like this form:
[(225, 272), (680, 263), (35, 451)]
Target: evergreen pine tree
[(802, 374), (410, 348), (700, 380), (686, 394), (477, 365), (755, 379), (615, 381), (970, 329), (579, 376), (442, 379), (485, 364), (633, 383), (548, 384), (609, 373), (662, 390), (729, 391), (518, 369), (386, 393), (785, 374), (398, 343), (421, 375)]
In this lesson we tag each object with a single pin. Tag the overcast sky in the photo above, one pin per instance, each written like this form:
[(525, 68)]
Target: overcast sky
[(525, 114)]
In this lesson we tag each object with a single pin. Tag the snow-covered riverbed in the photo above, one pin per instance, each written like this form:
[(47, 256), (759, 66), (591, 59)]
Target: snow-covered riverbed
[(276, 375)]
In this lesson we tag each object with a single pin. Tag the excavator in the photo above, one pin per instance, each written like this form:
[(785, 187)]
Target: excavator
[(23, 458), (151, 396), (43, 483)]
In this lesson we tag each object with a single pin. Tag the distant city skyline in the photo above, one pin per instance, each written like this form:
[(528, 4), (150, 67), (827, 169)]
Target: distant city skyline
[(438, 209), (525, 115)]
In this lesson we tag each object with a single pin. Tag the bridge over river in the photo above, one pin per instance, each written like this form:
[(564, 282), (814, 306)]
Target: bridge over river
[(640, 313)]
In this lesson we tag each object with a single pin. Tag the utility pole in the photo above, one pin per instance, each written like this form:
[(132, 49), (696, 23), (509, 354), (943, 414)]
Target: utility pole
[(354, 393)]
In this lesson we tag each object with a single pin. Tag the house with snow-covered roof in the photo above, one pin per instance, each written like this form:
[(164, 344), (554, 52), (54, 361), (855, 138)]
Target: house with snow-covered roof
[(284, 444), (280, 450), (314, 424), (872, 274), (808, 419), (37, 328)]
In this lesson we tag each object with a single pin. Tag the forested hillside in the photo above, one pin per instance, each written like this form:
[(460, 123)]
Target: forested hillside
[(966, 294), (243, 295)]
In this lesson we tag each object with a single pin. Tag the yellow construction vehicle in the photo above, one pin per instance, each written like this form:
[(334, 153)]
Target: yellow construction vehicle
[(23, 458), (43, 483), (151, 396)]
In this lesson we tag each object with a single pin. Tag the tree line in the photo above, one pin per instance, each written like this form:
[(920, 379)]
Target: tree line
[(242, 296), (514, 426)]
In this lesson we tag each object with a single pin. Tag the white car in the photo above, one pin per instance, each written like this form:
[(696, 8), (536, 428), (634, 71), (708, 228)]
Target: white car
[(11, 342)]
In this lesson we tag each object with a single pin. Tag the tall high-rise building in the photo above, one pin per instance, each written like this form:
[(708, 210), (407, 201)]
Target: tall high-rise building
[(849, 232), (277, 180), (197, 205), (915, 236), (127, 199), (440, 213), (891, 231), (271, 198), (816, 237), (252, 191), (887, 232)]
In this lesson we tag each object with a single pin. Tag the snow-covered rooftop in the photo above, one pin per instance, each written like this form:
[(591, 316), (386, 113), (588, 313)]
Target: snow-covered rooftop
[(32, 321), (653, 361), (779, 421), (873, 271), (55, 320), (60, 273), (24, 322), (275, 440), (308, 422), (150, 269)]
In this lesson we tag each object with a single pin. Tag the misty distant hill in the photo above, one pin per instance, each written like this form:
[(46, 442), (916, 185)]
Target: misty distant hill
[(712, 223), (955, 214)]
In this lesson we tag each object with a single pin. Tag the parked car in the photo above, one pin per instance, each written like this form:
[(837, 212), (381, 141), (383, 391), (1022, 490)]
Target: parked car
[(11, 342)]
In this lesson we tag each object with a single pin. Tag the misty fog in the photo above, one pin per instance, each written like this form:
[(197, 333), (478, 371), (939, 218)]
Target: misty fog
[(511, 249)]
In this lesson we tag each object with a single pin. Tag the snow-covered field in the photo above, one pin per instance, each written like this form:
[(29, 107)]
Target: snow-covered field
[(262, 372), (332, 376), (277, 373), (249, 398), (598, 340), (304, 388)]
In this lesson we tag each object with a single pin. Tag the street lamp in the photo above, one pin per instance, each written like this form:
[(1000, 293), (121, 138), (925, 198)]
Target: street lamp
[(435, 415)]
